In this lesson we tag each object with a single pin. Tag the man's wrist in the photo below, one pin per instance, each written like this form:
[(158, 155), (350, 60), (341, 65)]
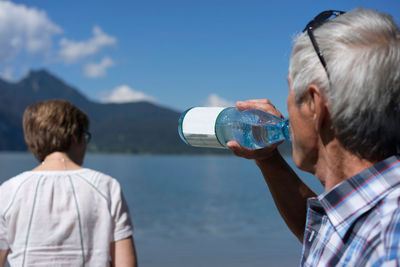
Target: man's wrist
[(271, 158)]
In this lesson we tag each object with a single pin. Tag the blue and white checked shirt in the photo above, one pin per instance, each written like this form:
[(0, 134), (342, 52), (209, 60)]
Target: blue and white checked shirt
[(357, 223)]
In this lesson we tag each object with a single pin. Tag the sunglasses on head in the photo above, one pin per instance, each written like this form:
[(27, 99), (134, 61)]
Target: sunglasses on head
[(320, 19)]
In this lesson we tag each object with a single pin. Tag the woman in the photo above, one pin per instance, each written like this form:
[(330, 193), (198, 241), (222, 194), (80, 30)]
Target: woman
[(60, 214)]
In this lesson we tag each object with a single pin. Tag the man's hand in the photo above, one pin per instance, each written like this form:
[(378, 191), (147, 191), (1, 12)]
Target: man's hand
[(256, 154)]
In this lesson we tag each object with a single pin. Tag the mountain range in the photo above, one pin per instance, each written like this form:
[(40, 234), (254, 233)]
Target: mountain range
[(139, 127)]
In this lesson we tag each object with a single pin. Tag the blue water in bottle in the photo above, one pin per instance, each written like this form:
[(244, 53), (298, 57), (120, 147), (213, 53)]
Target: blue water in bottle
[(251, 128)]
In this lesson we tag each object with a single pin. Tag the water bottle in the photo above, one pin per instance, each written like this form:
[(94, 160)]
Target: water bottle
[(216, 126)]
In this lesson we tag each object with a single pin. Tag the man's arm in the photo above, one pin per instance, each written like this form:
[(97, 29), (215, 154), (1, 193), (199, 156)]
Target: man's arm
[(123, 253), (3, 257), (287, 189)]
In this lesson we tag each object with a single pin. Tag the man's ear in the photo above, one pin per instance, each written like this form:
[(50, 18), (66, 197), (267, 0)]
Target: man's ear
[(317, 106)]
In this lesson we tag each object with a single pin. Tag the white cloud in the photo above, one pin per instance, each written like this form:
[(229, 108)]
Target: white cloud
[(24, 28), (125, 94), (8, 74), (214, 100), (95, 70), (72, 51)]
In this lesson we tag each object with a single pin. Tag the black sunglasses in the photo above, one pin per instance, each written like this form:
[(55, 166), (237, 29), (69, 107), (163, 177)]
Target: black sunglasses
[(320, 19)]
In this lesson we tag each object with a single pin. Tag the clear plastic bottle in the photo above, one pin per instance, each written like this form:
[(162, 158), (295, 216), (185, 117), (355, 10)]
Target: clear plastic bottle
[(214, 127)]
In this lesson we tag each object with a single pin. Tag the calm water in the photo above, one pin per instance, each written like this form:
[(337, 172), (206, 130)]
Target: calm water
[(194, 210)]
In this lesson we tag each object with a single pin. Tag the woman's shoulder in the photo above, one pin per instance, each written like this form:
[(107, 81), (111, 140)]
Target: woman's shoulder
[(17, 180), (97, 179), (12, 186), (95, 175)]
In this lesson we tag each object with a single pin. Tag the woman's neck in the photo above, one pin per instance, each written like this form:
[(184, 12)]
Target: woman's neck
[(57, 161)]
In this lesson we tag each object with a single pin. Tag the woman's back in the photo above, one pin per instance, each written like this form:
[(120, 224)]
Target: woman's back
[(62, 218)]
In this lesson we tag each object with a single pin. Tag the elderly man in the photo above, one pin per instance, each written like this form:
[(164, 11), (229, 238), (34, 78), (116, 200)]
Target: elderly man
[(344, 110)]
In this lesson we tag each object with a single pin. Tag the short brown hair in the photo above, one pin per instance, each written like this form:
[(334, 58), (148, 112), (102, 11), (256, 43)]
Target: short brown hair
[(50, 125)]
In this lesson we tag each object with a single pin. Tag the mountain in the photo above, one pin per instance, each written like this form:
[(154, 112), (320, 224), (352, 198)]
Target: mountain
[(139, 127), (11, 136)]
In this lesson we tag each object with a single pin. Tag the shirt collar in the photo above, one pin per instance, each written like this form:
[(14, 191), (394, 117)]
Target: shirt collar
[(350, 199)]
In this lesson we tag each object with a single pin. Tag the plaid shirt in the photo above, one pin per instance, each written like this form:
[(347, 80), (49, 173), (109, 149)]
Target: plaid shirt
[(357, 223)]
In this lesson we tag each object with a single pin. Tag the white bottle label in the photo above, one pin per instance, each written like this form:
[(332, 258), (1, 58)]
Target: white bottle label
[(198, 126)]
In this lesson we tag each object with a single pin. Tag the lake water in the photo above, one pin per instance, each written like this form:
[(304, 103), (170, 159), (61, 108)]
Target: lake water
[(194, 211)]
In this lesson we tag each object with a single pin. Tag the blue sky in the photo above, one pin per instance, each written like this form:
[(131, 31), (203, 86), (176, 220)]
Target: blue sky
[(175, 53)]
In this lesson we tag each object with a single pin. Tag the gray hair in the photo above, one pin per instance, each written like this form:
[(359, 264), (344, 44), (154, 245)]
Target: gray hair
[(362, 52)]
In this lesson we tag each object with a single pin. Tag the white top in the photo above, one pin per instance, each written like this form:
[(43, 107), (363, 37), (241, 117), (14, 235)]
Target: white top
[(62, 218)]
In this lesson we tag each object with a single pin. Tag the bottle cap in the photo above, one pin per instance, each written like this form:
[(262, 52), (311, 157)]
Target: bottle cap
[(197, 126)]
